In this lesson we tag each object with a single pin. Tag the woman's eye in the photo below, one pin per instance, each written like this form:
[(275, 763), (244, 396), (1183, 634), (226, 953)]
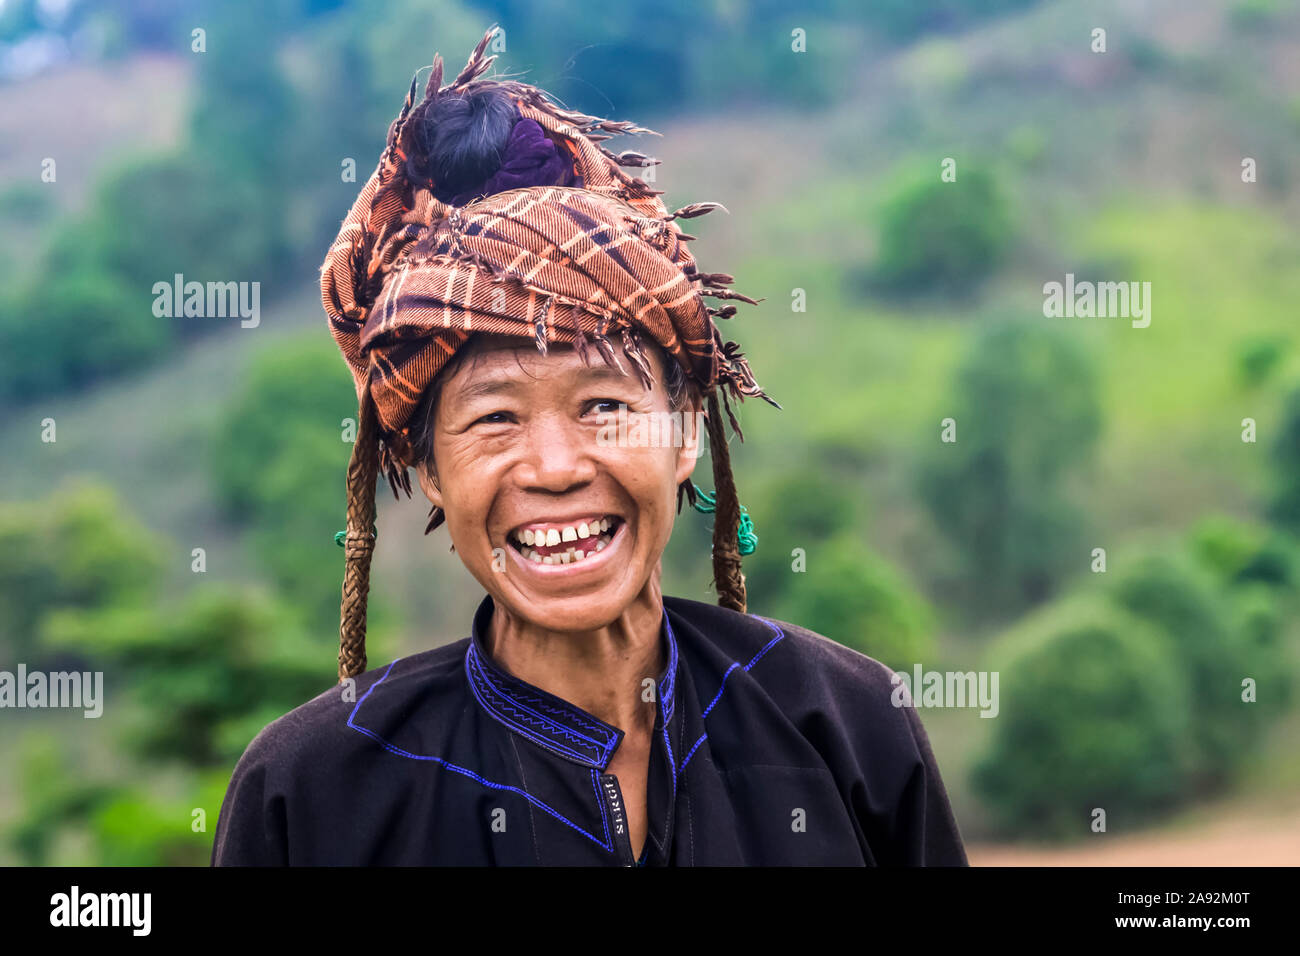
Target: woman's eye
[(495, 418)]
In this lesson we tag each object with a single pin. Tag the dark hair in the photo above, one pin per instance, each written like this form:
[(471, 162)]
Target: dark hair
[(462, 139)]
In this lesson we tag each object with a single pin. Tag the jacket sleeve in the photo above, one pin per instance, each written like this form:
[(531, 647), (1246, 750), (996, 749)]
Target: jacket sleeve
[(252, 829), (923, 831), (881, 757)]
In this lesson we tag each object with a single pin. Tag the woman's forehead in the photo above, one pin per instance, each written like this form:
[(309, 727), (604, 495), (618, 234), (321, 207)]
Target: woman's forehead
[(504, 358)]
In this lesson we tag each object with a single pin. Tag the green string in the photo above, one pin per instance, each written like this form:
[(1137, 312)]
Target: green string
[(745, 535), (339, 536)]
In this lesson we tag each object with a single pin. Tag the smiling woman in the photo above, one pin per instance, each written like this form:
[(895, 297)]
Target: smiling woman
[(476, 290)]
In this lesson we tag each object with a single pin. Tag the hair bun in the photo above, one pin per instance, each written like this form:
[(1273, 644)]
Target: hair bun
[(477, 144), (465, 138)]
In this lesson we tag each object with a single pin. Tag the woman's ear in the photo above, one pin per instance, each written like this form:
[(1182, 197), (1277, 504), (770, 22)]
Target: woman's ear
[(428, 479)]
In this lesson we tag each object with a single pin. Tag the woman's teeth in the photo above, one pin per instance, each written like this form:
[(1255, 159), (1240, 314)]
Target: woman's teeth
[(584, 540)]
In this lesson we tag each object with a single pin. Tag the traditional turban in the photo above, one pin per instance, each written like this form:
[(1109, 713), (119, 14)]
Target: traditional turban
[(410, 277)]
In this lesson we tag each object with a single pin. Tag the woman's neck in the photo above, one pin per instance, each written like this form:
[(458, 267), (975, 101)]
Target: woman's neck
[(603, 671)]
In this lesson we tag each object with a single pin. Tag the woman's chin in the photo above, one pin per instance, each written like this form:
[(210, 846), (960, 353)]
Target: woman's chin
[(558, 619)]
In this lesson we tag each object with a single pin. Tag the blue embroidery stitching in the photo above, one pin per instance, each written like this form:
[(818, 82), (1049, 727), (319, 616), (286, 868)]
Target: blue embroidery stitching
[(460, 770), (752, 661), (506, 698), (500, 704)]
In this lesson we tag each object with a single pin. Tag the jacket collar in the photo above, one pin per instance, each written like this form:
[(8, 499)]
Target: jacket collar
[(543, 718)]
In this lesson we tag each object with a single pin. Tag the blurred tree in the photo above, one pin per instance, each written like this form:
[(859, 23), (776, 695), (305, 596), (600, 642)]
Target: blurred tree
[(53, 797), (91, 326), (195, 678), (157, 216), (1239, 553), (1284, 509), (1026, 407), (1092, 716), (798, 510), (1258, 357), (220, 658), (903, 19), (945, 237), (852, 596), (76, 549), (115, 823), (279, 461), (243, 112), (1213, 651)]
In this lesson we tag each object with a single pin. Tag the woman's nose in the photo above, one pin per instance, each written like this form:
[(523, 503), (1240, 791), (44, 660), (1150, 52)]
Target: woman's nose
[(554, 455)]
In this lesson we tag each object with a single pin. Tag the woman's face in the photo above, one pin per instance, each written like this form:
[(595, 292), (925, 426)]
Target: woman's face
[(557, 516)]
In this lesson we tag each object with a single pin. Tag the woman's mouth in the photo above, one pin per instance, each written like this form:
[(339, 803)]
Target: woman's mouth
[(570, 542)]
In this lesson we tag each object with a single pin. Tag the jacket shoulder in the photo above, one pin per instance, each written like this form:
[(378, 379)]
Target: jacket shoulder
[(320, 730), (807, 659), (296, 759)]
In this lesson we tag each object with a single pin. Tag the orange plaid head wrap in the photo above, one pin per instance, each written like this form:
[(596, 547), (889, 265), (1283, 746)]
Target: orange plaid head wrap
[(586, 256)]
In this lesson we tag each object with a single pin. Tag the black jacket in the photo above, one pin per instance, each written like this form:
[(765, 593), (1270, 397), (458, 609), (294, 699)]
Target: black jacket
[(772, 746)]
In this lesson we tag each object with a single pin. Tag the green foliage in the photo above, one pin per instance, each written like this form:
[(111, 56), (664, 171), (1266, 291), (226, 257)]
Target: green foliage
[(26, 203), (1284, 509), (195, 677), (53, 797), (800, 510), (1240, 554), (1172, 594), (279, 463), (850, 595), (1258, 569), (200, 667), (1093, 714), (243, 113), (624, 63), (1252, 15), (814, 567), (903, 19), (1129, 693), (1259, 357), (1026, 408), (120, 824), (157, 216), (75, 549), (73, 327), (940, 236), (135, 829), (298, 392)]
